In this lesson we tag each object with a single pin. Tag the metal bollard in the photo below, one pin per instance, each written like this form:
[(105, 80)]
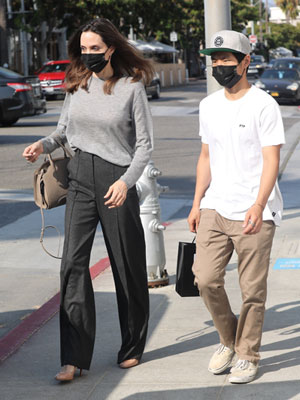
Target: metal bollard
[(148, 191)]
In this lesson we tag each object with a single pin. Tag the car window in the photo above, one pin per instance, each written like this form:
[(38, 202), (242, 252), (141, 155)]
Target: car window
[(54, 68), (256, 59), (286, 64), (7, 73), (281, 74)]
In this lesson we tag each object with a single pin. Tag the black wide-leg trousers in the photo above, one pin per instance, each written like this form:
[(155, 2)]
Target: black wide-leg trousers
[(90, 177)]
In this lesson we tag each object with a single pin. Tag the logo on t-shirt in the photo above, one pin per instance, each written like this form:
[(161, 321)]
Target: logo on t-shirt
[(219, 41), (242, 126)]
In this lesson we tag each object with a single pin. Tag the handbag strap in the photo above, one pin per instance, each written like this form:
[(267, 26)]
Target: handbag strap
[(66, 151), (42, 236)]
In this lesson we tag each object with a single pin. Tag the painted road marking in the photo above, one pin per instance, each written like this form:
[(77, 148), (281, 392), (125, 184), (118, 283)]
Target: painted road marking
[(287, 263)]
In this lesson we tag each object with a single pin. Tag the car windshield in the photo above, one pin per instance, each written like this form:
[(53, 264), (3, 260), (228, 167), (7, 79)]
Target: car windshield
[(256, 59), (286, 64), (280, 74), (54, 68), (7, 73)]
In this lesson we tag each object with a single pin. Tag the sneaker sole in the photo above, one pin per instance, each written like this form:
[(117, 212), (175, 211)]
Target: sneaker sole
[(220, 370), (241, 379)]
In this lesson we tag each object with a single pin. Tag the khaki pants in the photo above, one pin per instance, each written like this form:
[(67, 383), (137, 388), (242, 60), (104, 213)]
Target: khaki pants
[(217, 237)]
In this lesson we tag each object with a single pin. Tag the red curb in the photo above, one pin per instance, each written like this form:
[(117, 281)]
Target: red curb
[(10, 343)]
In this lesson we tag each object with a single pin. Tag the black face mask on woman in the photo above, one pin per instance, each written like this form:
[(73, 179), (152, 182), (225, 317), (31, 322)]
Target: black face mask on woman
[(94, 61), (226, 75)]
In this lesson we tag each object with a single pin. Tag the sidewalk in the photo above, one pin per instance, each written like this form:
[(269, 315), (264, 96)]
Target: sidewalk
[(181, 335)]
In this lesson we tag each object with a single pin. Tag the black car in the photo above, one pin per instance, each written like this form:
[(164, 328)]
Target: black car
[(257, 66), (153, 89), (20, 96), (282, 84)]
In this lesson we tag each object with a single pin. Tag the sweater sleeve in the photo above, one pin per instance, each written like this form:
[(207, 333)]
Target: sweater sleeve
[(48, 142), (142, 125)]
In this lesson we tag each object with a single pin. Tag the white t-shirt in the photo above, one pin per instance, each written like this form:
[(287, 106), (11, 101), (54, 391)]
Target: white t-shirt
[(236, 131)]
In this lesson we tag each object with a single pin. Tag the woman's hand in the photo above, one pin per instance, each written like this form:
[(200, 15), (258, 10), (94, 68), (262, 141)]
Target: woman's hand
[(32, 152), (194, 219), (116, 194)]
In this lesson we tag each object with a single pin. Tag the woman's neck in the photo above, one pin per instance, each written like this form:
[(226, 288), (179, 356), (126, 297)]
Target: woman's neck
[(106, 73)]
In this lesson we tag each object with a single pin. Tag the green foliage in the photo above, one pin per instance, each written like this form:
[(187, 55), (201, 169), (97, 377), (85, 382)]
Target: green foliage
[(289, 7), (241, 12), (285, 35), (149, 18)]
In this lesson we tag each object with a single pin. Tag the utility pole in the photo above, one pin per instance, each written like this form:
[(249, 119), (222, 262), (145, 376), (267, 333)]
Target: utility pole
[(260, 22), (217, 17), (252, 22), (3, 35), (267, 16), (24, 42)]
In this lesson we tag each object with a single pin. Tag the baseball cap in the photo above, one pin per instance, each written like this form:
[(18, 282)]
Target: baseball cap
[(231, 41)]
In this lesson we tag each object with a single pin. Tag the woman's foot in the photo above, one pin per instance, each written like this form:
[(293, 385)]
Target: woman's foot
[(132, 362), (67, 373)]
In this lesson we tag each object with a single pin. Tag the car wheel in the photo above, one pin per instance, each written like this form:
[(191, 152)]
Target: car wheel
[(156, 95), (9, 122)]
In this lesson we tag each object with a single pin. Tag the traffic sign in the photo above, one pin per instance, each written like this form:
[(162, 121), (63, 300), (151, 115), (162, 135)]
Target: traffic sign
[(253, 38), (173, 36)]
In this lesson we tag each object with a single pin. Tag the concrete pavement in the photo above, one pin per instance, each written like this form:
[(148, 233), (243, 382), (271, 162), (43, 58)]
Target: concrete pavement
[(181, 336)]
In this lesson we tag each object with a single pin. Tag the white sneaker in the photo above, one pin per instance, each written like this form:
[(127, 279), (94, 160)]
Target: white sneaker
[(244, 371), (221, 359)]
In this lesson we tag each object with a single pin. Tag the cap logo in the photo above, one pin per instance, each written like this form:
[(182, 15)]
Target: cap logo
[(219, 41)]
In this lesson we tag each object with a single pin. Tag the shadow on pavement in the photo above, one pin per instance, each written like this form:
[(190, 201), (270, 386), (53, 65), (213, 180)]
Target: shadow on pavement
[(19, 139), (167, 98), (284, 391), (10, 210), (38, 358), (181, 186)]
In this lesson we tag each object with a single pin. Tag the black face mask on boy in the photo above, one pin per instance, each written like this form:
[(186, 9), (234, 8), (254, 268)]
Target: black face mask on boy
[(94, 61), (226, 75)]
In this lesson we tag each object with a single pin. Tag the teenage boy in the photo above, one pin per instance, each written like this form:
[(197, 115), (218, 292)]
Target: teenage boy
[(237, 202)]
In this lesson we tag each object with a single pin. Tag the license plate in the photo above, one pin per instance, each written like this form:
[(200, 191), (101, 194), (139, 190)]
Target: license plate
[(275, 94), (49, 89)]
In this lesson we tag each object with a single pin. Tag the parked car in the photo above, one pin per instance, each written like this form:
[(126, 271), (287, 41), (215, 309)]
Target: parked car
[(282, 84), (290, 62), (270, 63), (153, 89), (52, 76), (20, 96), (257, 66)]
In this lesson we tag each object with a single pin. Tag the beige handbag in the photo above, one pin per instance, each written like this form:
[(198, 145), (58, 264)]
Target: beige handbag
[(50, 186)]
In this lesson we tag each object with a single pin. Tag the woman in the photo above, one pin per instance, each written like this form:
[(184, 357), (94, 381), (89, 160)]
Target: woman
[(106, 120)]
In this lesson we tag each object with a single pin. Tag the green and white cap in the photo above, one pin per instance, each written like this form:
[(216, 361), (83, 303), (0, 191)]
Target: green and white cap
[(231, 41)]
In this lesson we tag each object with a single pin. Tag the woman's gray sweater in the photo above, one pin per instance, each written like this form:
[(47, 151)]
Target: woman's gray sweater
[(115, 127)]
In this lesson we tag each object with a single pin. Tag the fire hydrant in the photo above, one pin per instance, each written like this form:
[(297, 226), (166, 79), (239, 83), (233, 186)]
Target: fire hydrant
[(148, 191)]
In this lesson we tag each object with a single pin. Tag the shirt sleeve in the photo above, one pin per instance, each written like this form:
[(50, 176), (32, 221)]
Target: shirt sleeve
[(271, 130), (142, 125), (48, 142), (203, 131)]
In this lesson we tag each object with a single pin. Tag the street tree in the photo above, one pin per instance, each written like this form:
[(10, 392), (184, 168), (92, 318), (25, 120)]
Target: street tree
[(284, 35), (148, 19), (289, 7)]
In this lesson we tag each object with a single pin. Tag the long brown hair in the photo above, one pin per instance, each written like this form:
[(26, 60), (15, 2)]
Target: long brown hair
[(125, 61)]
